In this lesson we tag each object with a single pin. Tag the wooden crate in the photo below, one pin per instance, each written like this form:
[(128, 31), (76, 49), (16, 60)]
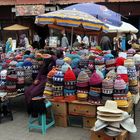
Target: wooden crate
[(59, 108), (89, 122), (82, 109), (100, 135), (61, 120)]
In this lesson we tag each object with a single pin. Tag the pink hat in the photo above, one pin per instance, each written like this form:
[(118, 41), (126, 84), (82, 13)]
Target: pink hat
[(119, 83), (95, 79)]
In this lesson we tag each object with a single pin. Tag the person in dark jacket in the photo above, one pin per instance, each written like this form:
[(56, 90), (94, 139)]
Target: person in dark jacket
[(105, 43)]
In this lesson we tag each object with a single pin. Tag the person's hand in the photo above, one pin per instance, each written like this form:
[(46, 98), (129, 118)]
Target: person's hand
[(36, 82)]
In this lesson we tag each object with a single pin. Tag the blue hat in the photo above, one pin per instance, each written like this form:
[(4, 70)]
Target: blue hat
[(59, 62), (75, 63), (19, 64)]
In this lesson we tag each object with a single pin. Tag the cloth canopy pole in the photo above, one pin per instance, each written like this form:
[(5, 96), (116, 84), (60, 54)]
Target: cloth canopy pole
[(71, 39)]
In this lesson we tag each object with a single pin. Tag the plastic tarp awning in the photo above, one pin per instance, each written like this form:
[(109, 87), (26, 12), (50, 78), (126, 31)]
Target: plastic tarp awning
[(124, 28)]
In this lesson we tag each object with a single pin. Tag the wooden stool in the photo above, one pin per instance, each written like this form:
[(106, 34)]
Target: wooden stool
[(43, 122)]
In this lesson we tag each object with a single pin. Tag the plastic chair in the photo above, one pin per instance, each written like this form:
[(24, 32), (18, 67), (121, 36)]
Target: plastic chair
[(43, 122)]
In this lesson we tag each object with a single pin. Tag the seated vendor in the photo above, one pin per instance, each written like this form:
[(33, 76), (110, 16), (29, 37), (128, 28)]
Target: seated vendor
[(37, 88)]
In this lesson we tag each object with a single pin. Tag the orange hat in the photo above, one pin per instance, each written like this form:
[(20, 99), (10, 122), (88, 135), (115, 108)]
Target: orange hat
[(52, 72)]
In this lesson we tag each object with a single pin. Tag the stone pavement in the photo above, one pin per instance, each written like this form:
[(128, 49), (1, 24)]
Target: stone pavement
[(17, 129)]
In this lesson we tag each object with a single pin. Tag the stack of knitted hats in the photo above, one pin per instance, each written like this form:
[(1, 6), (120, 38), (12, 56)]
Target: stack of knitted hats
[(107, 89), (83, 62), (20, 77), (82, 86), (11, 79), (95, 88), (48, 91), (3, 75), (27, 65), (91, 63), (69, 85), (35, 69), (120, 92), (58, 82), (133, 80), (110, 62)]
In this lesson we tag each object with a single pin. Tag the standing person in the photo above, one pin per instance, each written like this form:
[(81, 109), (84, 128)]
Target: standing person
[(105, 43), (64, 42), (8, 46), (36, 40), (85, 40), (78, 37), (26, 42)]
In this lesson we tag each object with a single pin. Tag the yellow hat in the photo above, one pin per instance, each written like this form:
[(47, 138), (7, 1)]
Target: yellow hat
[(68, 60), (121, 103)]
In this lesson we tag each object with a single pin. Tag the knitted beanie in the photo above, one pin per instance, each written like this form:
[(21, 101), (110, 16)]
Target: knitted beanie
[(3, 74), (110, 64), (28, 72), (83, 62), (129, 63), (58, 82), (59, 62), (122, 71), (67, 60), (48, 90), (69, 75), (99, 73), (99, 60), (131, 52), (51, 74), (65, 67), (95, 79), (107, 85), (35, 69), (20, 75), (88, 71), (119, 84), (112, 74), (120, 61), (76, 71), (82, 79), (75, 63)]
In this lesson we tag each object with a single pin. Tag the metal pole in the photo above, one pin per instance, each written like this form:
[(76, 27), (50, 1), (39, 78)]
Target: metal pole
[(71, 38)]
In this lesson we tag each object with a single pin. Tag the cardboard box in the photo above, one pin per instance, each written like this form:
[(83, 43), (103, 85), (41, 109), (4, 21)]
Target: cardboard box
[(61, 120), (82, 109), (100, 135), (89, 122), (59, 108)]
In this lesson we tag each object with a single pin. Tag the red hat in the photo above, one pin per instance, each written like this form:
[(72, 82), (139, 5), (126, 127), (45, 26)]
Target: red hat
[(120, 61), (95, 79), (8, 61), (124, 77), (69, 75)]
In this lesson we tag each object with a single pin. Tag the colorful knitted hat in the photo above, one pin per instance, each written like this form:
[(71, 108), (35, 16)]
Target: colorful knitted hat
[(67, 60), (119, 84), (76, 71), (20, 75), (111, 74), (99, 60), (120, 61), (69, 75), (48, 91), (91, 62), (95, 79), (122, 71), (99, 73), (65, 67), (75, 63), (88, 71), (3, 74), (107, 85), (52, 73), (82, 79), (129, 63), (131, 52), (59, 62), (110, 64), (58, 77), (83, 62)]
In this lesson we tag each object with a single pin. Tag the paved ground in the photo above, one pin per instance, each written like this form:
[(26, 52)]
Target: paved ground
[(17, 129)]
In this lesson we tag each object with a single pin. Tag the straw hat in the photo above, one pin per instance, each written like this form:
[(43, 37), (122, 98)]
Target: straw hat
[(99, 125), (129, 125), (110, 107), (111, 118), (108, 114)]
